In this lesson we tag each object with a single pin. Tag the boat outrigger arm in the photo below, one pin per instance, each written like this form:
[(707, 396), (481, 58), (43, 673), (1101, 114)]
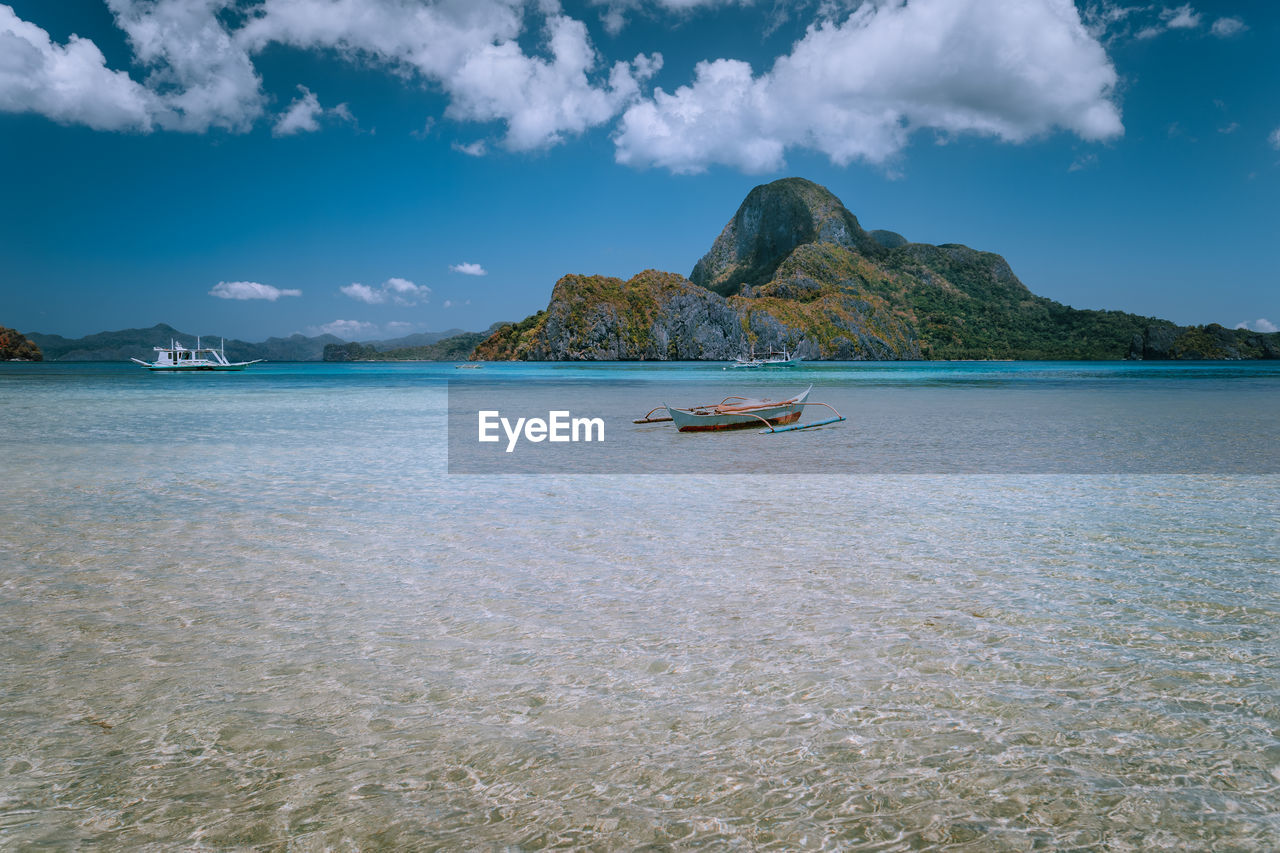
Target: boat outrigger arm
[(793, 427)]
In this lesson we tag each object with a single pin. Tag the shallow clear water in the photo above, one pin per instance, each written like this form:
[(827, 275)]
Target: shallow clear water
[(254, 611)]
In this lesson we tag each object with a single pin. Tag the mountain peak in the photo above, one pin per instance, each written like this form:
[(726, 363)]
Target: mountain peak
[(770, 223)]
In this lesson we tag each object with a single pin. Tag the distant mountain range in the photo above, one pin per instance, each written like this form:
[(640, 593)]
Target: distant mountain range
[(458, 346), (138, 343), (793, 268)]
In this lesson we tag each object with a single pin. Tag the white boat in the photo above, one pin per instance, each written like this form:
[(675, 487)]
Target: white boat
[(773, 359), (739, 412), (175, 357)]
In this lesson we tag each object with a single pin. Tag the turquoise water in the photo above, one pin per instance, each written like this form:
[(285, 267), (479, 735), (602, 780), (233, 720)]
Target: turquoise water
[(257, 611)]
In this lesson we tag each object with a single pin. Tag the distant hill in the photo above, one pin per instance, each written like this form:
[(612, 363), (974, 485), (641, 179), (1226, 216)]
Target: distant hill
[(420, 339), (793, 268), (456, 347), (16, 347), (124, 344)]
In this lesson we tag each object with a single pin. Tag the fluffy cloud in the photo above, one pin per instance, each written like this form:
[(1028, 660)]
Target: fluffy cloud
[(67, 83), (362, 293), (1011, 69), (249, 290), (472, 149), (1109, 20), (303, 115), (468, 269), (1179, 18), (853, 90), (1262, 324), (400, 291), (1274, 139), (202, 77), (471, 50), (1228, 27), (404, 287)]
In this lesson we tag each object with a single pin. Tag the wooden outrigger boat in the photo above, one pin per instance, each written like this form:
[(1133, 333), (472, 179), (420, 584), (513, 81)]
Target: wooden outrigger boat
[(740, 412)]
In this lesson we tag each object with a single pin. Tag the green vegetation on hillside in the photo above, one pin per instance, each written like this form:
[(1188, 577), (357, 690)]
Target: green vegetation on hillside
[(456, 348), (15, 347)]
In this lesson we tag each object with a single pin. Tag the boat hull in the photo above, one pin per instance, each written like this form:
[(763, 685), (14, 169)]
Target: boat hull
[(741, 415), (712, 423), (195, 368), (193, 365)]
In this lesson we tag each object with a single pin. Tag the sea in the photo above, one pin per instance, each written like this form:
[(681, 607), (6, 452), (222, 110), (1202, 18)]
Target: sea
[(998, 607)]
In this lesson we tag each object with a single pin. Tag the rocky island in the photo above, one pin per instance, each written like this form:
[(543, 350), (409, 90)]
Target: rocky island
[(16, 347), (793, 268)]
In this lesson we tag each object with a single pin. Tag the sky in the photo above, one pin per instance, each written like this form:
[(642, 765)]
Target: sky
[(374, 168)]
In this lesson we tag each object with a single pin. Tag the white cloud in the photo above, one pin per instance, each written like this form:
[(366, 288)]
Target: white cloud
[(348, 330), (201, 76), (249, 290), (67, 83), (1108, 20), (1228, 27), (400, 285), (1262, 324), (448, 303), (1274, 139), (1181, 18), (468, 269), (539, 100), (472, 149), (471, 51), (363, 293), (304, 114), (856, 90), (401, 291)]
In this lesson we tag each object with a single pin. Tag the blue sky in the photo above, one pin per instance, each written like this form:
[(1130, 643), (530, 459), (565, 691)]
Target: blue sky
[(379, 167)]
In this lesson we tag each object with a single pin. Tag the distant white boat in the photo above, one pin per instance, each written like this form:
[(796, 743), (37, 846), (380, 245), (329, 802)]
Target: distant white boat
[(176, 357), (772, 359)]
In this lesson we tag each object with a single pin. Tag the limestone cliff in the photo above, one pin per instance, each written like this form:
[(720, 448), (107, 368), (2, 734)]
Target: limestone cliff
[(793, 268)]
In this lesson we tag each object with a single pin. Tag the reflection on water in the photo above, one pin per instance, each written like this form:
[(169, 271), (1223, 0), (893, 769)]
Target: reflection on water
[(258, 614)]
